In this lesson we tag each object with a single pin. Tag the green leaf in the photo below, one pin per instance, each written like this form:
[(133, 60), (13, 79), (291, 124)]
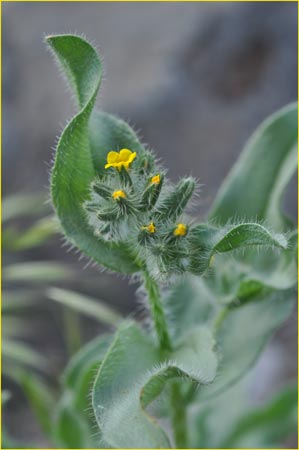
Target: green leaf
[(133, 374), (80, 153), (267, 426), (206, 241), (231, 420), (85, 305), (188, 303), (242, 333), (40, 272), (70, 430), (75, 405), (212, 421), (235, 281), (253, 189), (107, 132)]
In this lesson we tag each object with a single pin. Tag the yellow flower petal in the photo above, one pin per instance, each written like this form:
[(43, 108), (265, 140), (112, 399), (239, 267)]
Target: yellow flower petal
[(122, 159), (132, 157), (180, 230), (112, 157), (124, 154)]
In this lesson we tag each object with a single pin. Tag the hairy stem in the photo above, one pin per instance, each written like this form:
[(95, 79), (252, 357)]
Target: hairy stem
[(179, 417), (157, 311)]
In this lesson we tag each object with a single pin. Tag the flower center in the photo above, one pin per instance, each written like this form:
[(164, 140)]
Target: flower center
[(118, 194), (156, 179), (150, 228)]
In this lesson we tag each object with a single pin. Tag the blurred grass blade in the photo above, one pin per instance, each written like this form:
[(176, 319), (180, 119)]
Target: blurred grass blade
[(85, 305), (10, 442), (13, 301), (40, 398), (15, 327), (41, 271), (21, 353), (32, 237), (5, 396), (18, 205)]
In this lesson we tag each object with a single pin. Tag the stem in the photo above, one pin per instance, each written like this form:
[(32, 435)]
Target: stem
[(157, 311), (179, 417), (219, 318)]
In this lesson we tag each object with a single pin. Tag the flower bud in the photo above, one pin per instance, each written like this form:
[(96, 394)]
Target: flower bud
[(108, 214), (145, 163), (102, 190), (152, 192), (124, 176), (177, 200)]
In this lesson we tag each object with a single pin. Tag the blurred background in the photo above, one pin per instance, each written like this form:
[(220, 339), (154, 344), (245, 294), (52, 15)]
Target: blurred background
[(195, 79)]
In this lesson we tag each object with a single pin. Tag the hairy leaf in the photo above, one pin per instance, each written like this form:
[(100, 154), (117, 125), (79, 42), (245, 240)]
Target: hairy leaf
[(267, 426), (188, 303), (235, 281), (133, 374), (242, 424), (241, 334), (81, 150), (254, 187), (206, 241)]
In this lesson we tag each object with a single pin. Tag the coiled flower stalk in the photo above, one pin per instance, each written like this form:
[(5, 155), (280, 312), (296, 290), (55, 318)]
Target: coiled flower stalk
[(135, 204)]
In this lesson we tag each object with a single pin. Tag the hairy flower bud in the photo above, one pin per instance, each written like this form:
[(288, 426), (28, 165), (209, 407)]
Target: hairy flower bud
[(152, 192), (175, 203), (102, 190)]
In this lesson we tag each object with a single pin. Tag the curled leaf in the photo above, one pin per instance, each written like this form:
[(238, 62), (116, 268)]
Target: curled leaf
[(206, 241), (81, 149), (133, 374)]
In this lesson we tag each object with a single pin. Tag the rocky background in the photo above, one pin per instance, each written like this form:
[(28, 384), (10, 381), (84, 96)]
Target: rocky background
[(194, 78)]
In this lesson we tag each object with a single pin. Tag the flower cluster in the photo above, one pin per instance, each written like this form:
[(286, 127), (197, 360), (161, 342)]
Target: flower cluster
[(134, 203)]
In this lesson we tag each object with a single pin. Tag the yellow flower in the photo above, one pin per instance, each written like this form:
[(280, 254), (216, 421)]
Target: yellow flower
[(118, 194), (122, 159), (150, 228), (180, 230), (156, 179)]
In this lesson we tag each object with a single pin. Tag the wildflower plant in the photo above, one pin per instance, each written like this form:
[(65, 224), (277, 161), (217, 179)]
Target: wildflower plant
[(215, 291)]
